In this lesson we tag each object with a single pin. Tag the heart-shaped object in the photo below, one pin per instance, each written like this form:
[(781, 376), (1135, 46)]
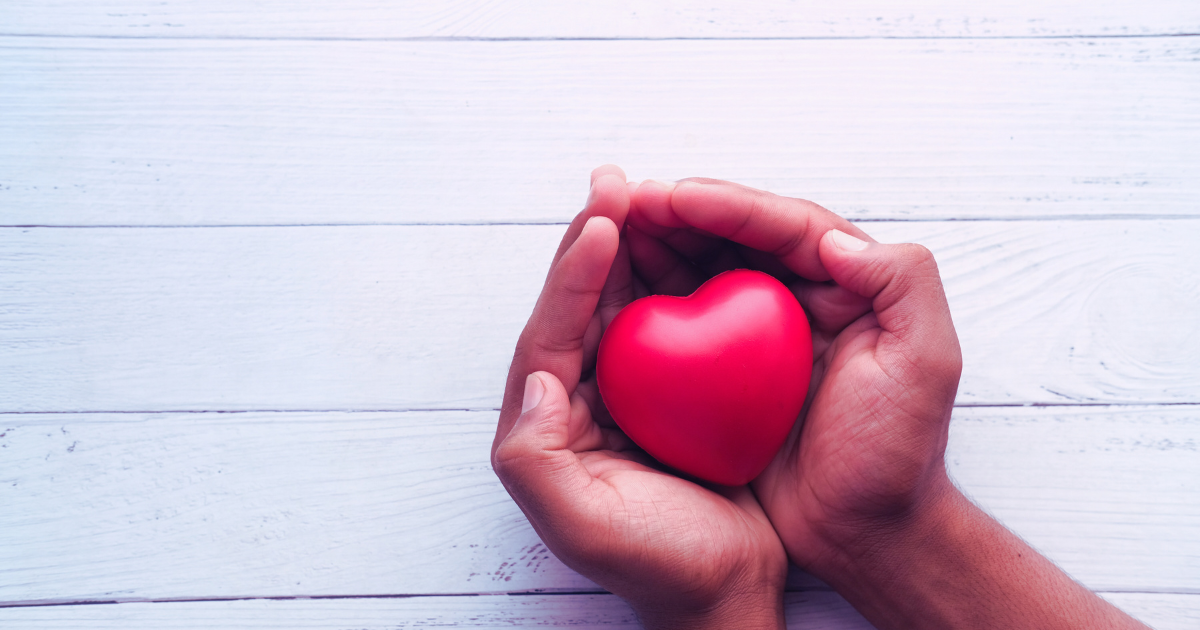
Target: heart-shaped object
[(712, 383)]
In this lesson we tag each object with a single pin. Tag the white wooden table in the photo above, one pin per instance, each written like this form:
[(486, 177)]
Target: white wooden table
[(262, 266)]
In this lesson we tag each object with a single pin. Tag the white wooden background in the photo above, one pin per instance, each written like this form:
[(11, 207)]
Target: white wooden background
[(262, 265)]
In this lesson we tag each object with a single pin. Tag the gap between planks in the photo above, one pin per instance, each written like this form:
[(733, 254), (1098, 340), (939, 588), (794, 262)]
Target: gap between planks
[(452, 39), (1090, 406), (526, 593), (931, 219), (473, 20), (811, 609)]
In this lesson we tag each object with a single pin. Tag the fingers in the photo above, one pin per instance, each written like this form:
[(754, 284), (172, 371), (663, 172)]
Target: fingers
[(766, 263), (608, 197), (830, 308), (709, 254), (590, 393), (618, 287), (551, 457), (654, 215), (553, 339), (616, 294), (790, 229), (534, 460), (661, 268), (918, 343), (607, 169)]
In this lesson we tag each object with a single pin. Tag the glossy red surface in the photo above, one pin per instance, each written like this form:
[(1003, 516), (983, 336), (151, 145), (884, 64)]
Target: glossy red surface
[(709, 384)]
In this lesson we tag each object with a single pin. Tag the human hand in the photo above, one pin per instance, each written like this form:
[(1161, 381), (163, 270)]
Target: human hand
[(683, 555), (868, 449), (859, 492)]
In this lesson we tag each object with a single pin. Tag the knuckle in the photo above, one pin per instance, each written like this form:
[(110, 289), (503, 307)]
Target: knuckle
[(792, 242), (753, 211), (915, 266), (948, 364), (916, 256), (535, 342), (505, 459), (513, 462), (556, 347), (934, 368), (942, 368)]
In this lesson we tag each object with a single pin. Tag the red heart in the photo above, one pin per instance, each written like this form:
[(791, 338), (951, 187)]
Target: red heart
[(712, 383)]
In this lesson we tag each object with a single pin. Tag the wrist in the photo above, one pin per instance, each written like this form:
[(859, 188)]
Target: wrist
[(950, 565), (742, 610), (933, 514), (889, 543), (750, 599)]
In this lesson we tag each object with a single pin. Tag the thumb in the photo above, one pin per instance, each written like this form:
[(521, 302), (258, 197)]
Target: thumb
[(534, 460), (906, 293)]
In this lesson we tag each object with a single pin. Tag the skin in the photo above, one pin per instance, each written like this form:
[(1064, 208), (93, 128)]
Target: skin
[(858, 495), (682, 554)]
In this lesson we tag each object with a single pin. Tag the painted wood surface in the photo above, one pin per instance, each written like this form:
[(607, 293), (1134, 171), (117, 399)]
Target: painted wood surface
[(1160, 611), (608, 18), (236, 132), (813, 610), (121, 507), (394, 317), (300, 410)]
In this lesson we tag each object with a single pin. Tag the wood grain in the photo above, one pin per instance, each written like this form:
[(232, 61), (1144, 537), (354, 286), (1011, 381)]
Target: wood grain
[(142, 113), (620, 18), (394, 317), (229, 132), (122, 507)]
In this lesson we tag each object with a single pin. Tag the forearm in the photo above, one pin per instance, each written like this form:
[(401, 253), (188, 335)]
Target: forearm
[(953, 566)]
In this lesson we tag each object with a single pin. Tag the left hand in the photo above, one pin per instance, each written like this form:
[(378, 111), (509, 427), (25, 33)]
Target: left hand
[(683, 555)]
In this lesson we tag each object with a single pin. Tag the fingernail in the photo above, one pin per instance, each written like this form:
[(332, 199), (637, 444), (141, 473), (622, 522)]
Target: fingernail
[(664, 184), (845, 242), (588, 225), (591, 195), (533, 393)]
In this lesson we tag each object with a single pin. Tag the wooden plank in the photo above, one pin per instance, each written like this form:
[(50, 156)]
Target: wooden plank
[(820, 610), (1135, 471), (119, 507), (208, 132), (545, 18), (393, 317), (813, 610), (1160, 611)]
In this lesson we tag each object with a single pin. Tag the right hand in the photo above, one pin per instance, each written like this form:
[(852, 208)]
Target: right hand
[(867, 452), (859, 492)]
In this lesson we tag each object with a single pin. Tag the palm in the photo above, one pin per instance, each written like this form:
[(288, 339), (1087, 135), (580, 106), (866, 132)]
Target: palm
[(677, 535), (862, 444), (700, 537), (598, 501)]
